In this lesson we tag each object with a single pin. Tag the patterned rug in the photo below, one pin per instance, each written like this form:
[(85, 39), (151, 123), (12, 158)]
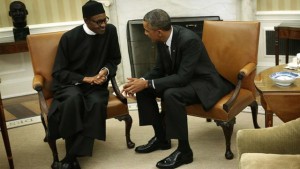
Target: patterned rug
[(25, 110), (21, 111)]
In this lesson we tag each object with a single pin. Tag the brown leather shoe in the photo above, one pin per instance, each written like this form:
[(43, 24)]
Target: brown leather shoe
[(152, 145)]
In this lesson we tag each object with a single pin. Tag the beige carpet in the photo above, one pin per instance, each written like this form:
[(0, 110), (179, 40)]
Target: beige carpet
[(206, 139)]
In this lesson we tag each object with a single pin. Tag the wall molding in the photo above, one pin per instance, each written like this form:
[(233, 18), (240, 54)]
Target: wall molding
[(6, 33), (277, 15)]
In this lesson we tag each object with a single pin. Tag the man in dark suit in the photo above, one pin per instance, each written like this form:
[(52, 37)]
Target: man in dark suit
[(183, 75)]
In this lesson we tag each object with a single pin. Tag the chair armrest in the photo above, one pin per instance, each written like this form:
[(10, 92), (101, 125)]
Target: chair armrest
[(281, 139), (248, 69), (117, 90), (244, 72), (38, 82)]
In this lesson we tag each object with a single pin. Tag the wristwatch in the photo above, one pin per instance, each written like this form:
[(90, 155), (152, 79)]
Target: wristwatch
[(150, 84)]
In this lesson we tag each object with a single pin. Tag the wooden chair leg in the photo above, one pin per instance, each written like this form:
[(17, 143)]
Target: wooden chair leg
[(254, 110), (208, 120), (52, 145), (227, 130), (7, 144), (5, 136), (128, 124)]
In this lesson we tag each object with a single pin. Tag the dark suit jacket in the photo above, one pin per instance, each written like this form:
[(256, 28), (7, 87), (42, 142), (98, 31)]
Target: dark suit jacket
[(190, 65)]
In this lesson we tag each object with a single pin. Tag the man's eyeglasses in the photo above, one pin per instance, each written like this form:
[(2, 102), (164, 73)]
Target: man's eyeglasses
[(100, 21)]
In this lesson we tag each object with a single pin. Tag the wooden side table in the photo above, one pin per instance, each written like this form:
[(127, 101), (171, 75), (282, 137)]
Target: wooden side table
[(9, 48), (283, 101), (5, 134), (285, 30), (13, 47)]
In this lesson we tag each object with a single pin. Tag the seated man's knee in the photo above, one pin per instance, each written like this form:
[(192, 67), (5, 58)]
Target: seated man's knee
[(170, 94), (74, 93), (144, 93)]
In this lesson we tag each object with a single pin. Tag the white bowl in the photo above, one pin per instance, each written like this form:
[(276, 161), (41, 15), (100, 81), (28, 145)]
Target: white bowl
[(284, 78)]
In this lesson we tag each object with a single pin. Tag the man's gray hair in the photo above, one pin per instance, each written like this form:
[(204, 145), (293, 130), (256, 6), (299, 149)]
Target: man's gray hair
[(158, 19)]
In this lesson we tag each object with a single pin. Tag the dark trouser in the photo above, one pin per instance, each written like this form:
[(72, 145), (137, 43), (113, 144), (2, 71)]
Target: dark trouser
[(174, 101)]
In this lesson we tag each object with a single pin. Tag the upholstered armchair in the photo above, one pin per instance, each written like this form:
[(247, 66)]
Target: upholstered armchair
[(276, 147), (42, 49), (232, 47)]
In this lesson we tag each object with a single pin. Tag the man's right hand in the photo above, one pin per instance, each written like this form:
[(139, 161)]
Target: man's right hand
[(95, 80), (134, 85)]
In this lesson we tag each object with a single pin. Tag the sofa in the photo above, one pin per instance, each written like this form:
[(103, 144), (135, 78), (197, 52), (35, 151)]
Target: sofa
[(275, 147)]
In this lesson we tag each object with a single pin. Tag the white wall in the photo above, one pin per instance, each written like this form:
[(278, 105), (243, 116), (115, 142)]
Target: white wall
[(270, 19), (136, 9), (16, 72), (15, 69)]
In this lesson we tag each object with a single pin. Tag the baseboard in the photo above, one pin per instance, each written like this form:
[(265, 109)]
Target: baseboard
[(23, 122)]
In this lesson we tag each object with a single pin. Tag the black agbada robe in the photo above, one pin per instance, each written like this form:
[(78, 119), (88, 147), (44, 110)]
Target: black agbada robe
[(77, 107)]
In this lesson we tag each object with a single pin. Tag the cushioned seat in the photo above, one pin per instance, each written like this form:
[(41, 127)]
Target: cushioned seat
[(217, 112), (269, 161), (270, 148)]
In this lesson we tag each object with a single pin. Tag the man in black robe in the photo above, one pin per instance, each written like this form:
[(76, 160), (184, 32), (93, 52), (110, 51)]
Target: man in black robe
[(87, 57)]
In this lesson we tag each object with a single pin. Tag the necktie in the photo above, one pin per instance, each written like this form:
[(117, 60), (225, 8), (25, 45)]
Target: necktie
[(167, 58), (168, 50)]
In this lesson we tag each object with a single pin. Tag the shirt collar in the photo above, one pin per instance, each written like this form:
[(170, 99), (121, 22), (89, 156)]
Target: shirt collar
[(87, 30), (170, 38)]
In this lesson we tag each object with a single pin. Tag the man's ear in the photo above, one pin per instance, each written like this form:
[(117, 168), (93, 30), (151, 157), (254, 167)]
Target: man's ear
[(159, 33), (85, 20)]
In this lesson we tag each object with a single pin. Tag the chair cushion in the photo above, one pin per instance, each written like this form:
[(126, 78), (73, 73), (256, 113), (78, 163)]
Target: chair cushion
[(114, 108), (269, 161), (244, 98)]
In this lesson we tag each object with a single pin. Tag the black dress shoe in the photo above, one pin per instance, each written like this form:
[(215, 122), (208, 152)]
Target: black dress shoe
[(55, 165), (176, 159), (69, 165), (66, 166), (152, 145), (76, 164)]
